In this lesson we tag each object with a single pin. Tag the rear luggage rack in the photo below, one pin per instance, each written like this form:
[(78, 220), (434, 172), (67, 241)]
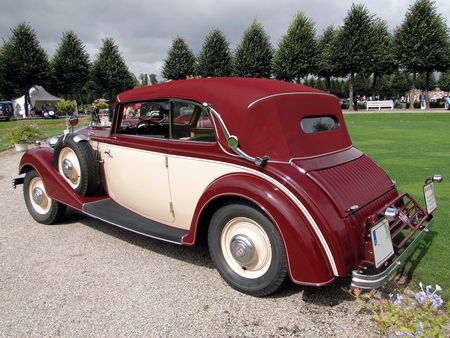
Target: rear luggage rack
[(410, 217), (403, 217)]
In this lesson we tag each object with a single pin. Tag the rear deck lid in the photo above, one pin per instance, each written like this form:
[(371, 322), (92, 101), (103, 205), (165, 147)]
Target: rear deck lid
[(354, 183)]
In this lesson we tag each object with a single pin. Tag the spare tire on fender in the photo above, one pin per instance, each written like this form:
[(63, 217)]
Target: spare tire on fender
[(77, 164)]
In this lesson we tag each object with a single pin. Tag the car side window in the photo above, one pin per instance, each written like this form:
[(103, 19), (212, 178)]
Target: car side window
[(175, 119), (191, 122), (149, 119)]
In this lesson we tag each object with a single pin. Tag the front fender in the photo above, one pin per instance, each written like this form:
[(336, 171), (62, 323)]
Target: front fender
[(307, 260), (55, 185)]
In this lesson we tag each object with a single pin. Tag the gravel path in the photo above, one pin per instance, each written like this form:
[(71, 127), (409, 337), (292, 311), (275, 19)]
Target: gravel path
[(87, 278)]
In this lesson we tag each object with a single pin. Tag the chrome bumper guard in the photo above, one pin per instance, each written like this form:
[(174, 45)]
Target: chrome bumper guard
[(363, 281), (16, 181)]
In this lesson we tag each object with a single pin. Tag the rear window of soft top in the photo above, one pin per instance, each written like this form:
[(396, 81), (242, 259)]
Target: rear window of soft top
[(317, 124)]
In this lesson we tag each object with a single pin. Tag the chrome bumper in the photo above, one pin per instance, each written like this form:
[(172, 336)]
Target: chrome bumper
[(363, 281)]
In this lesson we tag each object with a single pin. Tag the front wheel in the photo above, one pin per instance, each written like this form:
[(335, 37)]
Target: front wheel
[(41, 207), (247, 250), (77, 164)]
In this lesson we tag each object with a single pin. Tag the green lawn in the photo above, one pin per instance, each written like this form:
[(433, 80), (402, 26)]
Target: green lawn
[(48, 127), (411, 147)]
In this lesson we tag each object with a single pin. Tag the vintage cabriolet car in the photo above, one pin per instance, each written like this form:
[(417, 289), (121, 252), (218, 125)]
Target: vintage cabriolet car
[(266, 169)]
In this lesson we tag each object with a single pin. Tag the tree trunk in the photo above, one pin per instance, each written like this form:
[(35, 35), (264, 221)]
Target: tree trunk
[(27, 100), (374, 84), (350, 89), (427, 84), (328, 81), (412, 92)]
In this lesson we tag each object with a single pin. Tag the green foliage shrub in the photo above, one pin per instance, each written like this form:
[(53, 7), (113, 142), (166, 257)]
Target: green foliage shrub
[(344, 105), (361, 106), (65, 106), (437, 104), (24, 134), (102, 105)]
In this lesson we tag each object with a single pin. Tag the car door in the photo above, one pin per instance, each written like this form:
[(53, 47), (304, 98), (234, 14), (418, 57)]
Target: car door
[(135, 162)]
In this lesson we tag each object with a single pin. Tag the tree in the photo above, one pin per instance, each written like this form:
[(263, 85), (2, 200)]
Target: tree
[(426, 82), (144, 80), (326, 67), (400, 83), (23, 63), (215, 57), (444, 82), (254, 53), (70, 66), (153, 79), (383, 60), (180, 61), (422, 42), (362, 84), (296, 56), (109, 71), (355, 45)]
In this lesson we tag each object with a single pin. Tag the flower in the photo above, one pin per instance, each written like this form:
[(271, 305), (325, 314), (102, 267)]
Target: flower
[(420, 329), (421, 297), (398, 301), (437, 301)]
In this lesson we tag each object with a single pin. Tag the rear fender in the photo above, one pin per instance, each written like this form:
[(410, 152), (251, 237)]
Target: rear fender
[(40, 159), (307, 261)]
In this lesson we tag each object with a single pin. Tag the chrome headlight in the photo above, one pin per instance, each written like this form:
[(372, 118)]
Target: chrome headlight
[(53, 140)]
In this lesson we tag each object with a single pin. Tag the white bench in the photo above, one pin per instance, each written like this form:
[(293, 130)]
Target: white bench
[(380, 104)]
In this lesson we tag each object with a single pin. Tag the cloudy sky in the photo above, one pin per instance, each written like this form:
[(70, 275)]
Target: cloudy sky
[(144, 29)]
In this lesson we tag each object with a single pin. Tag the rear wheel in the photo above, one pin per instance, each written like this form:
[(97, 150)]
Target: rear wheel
[(247, 250), (41, 207)]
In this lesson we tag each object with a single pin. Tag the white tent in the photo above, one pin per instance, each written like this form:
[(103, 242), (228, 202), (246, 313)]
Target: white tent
[(38, 96)]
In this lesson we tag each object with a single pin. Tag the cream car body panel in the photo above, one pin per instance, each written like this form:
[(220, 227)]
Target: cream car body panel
[(189, 177), (138, 180)]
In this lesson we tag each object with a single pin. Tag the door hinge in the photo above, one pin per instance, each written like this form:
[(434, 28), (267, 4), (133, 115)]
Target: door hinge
[(171, 209), (167, 161)]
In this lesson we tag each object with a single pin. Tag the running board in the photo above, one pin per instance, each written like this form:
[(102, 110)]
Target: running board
[(113, 213)]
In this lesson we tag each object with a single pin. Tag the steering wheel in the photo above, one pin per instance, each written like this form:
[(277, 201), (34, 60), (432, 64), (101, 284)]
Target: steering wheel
[(145, 124)]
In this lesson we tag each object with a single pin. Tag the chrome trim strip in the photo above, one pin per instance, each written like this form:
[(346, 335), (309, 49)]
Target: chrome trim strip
[(293, 93), (316, 156), (259, 161), (219, 118), (362, 281)]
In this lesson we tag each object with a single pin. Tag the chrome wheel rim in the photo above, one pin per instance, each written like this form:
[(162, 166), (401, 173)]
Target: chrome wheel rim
[(69, 167), (246, 247), (38, 196)]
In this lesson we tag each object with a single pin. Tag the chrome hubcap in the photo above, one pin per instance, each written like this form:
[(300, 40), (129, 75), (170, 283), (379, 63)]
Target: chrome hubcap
[(246, 247), (67, 168), (242, 249), (38, 196)]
